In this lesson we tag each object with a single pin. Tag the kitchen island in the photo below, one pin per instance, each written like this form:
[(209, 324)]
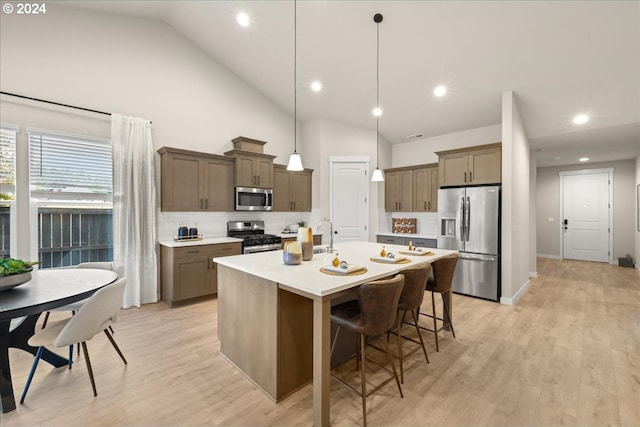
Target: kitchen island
[(274, 319)]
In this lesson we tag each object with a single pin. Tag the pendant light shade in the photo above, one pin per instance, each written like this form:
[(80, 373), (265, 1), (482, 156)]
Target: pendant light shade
[(295, 161), (377, 175)]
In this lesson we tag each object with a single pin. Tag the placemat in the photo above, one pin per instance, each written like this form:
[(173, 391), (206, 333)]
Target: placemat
[(353, 273), (404, 261), (419, 253)]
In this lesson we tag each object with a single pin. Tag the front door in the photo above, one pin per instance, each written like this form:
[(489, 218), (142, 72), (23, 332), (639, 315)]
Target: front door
[(350, 201), (586, 215)]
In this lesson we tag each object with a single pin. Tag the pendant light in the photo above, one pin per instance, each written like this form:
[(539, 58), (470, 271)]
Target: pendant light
[(377, 175), (295, 162)]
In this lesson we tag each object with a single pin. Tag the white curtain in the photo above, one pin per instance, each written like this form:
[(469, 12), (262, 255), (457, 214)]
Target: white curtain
[(134, 208)]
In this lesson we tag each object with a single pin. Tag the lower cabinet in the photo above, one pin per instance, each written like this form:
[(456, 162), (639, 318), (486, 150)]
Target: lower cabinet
[(402, 240), (317, 240), (189, 272)]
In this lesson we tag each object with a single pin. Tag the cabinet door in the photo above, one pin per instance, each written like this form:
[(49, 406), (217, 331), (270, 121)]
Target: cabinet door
[(223, 249), (404, 191), (245, 174), (218, 185), (421, 189), (181, 189), (452, 169), (191, 277), (432, 202), (485, 166), (301, 191), (263, 169), (281, 190), (392, 240), (390, 196)]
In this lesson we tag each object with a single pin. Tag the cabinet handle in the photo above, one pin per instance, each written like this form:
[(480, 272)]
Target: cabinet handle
[(429, 204), (193, 252), (425, 205), (200, 203), (208, 263), (400, 204), (470, 176), (258, 179), (206, 203), (294, 206), (465, 177)]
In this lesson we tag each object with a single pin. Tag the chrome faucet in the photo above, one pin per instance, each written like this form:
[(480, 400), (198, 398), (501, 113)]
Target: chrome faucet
[(330, 247)]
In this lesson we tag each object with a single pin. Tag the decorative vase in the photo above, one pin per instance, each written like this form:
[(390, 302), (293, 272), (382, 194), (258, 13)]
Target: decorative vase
[(8, 282), (305, 237)]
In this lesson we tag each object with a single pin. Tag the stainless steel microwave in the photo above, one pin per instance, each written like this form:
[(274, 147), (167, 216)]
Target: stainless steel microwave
[(254, 199)]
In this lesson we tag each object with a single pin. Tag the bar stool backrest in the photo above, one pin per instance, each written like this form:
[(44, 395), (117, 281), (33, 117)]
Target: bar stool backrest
[(443, 270), (413, 291), (378, 302)]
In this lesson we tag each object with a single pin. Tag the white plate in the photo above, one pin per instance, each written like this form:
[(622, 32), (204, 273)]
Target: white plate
[(350, 268), (397, 258)]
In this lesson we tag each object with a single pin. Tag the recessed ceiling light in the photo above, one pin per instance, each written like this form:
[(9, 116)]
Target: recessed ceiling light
[(377, 111), (243, 19), (440, 91), (316, 86), (581, 119), (584, 159)]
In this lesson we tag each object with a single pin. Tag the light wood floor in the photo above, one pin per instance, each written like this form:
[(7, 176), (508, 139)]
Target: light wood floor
[(567, 354)]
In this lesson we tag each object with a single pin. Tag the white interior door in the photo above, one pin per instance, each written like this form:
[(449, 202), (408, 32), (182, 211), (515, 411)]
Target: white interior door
[(349, 201), (586, 216)]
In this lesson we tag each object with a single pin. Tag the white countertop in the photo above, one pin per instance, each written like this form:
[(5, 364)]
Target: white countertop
[(306, 278), (206, 241), (295, 235), (416, 235)]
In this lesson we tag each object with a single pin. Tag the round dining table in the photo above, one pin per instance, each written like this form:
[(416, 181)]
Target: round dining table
[(47, 289)]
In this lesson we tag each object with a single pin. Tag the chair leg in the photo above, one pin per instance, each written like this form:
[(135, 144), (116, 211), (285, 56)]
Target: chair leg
[(399, 344), (363, 343), (113, 343), (46, 319), (446, 308), (86, 359), (70, 355), (34, 365), (435, 325), (111, 330), (415, 321), (393, 367)]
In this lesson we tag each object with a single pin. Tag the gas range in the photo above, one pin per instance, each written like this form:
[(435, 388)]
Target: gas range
[(253, 237)]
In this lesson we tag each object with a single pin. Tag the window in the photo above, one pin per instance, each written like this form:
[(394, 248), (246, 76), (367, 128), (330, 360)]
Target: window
[(7, 187), (71, 179)]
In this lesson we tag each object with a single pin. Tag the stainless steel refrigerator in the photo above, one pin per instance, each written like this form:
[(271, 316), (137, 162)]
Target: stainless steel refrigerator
[(469, 222)]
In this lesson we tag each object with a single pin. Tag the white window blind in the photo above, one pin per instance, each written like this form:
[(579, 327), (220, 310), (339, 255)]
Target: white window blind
[(7, 163), (69, 167)]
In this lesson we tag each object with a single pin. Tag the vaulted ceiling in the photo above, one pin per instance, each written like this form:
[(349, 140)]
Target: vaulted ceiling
[(561, 58)]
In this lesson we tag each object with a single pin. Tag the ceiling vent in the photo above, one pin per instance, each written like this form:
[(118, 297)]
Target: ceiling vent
[(415, 136)]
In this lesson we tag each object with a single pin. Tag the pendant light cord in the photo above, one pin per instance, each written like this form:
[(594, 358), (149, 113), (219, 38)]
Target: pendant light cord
[(295, 86), (377, 92)]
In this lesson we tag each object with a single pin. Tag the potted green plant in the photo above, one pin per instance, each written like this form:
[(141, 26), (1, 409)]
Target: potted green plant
[(14, 272)]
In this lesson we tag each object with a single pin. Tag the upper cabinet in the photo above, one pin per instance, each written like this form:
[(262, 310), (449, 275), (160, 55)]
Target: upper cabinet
[(193, 181), (291, 190), (470, 166), (425, 188), (253, 167), (398, 192)]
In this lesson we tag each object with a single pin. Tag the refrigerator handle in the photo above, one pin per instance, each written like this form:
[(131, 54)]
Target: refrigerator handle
[(468, 217), (463, 219)]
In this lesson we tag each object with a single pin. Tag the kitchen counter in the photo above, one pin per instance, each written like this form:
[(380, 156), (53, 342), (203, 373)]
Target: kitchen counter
[(274, 319), (295, 235), (206, 241)]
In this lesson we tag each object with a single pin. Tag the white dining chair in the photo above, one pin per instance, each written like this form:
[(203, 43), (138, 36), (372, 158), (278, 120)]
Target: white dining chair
[(96, 314)]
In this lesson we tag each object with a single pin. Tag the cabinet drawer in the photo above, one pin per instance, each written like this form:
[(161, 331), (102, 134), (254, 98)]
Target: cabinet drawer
[(224, 249), (392, 240), (190, 251), (425, 243)]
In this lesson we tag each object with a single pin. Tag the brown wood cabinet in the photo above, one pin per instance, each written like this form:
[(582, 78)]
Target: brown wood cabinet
[(291, 190), (188, 271), (470, 166), (398, 190), (193, 181), (425, 188), (253, 169), (317, 240)]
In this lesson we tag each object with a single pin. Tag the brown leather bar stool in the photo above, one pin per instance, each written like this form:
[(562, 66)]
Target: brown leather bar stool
[(441, 282), (373, 314), (410, 301)]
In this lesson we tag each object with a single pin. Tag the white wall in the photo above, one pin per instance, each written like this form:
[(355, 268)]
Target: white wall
[(324, 138), (515, 202), (624, 208), (143, 68), (637, 212), (423, 150)]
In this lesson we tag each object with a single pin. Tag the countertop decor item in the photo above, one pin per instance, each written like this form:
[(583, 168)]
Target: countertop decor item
[(15, 272), (9, 282), (388, 260), (404, 225), (352, 270)]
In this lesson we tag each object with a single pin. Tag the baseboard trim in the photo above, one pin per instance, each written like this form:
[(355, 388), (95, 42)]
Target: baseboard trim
[(548, 256), (533, 274), (516, 297)]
